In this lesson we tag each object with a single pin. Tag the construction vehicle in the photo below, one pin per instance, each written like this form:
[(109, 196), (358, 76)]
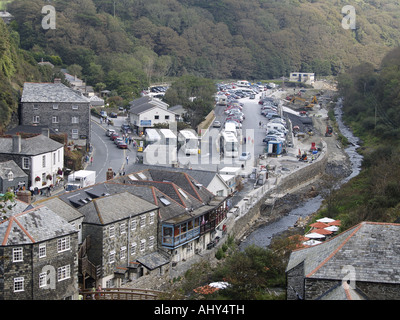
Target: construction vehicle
[(307, 104), (329, 131)]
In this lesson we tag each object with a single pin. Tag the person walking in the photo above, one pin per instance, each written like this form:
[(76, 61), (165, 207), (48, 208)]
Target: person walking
[(127, 159)]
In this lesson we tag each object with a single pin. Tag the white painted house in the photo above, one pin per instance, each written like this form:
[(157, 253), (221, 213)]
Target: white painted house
[(40, 157), (145, 112)]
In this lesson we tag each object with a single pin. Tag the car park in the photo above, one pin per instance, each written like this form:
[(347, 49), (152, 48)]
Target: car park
[(245, 156)]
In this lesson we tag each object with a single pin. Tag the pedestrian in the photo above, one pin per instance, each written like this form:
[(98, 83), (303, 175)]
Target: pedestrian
[(127, 159), (244, 140), (91, 160), (259, 124)]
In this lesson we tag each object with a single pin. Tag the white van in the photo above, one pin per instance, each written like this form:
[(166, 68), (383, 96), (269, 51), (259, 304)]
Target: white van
[(276, 126)]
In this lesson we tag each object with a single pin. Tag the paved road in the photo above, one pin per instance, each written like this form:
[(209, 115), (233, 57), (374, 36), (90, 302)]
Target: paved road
[(105, 152)]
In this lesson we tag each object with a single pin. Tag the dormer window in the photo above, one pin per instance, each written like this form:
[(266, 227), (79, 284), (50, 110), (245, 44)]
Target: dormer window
[(10, 176), (55, 106)]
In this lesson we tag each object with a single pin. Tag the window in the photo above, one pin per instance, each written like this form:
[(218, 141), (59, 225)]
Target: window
[(63, 244), (75, 119), (156, 117), (75, 107), (133, 248), (19, 284), (25, 163), (36, 119), (42, 279), (151, 242), (35, 107), (122, 254), (55, 106), (133, 225), (122, 228), (143, 221), (151, 219), (54, 119), (75, 134), (166, 117), (42, 250), (112, 231), (58, 155), (10, 176), (111, 256), (17, 255), (142, 245), (54, 158), (64, 272), (44, 161), (43, 176)]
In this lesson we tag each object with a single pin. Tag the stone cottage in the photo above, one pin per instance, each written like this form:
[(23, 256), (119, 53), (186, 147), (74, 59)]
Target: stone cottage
[(12, 177), (360, 263), (38, 250), (59, 107)]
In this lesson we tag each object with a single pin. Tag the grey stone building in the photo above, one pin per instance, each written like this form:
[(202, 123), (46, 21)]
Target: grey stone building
[(59, 107), (12, 177), (119, 229), (38, 250), (360, 263)]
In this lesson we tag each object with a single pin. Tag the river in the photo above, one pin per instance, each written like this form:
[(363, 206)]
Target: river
[(262, 236)]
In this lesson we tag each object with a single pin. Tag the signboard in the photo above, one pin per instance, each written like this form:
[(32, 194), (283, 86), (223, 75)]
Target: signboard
[(145, 123)]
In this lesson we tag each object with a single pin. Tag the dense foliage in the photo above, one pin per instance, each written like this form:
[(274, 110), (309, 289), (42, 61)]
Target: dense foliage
[(372, 108), (254, 39)]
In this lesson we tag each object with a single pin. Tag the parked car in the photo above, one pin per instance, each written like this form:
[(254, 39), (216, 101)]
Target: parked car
[(114, 136), (237, 123), (273, 138), (119, 139), (245, 156), (113, 115), (217, 124), (109, 132), (125, 127), (275, 133), (122, 145)]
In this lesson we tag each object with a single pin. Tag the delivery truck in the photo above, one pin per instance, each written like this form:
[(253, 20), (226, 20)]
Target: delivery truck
[(80, 179)]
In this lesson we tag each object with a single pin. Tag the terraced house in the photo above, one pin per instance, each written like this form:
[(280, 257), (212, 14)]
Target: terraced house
[(59, 107), (38, 250)]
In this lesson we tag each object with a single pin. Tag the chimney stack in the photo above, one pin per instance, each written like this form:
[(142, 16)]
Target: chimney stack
[(45, 132), (16, 143), (24, 195), (57, 80)]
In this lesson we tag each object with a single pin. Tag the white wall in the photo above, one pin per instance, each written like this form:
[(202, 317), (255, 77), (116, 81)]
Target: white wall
[(51, 167)]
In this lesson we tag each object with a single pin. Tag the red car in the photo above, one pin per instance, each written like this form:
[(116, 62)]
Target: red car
[(114, 136), (122, 145)]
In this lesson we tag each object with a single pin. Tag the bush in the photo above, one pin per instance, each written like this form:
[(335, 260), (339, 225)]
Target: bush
[(220, 254)]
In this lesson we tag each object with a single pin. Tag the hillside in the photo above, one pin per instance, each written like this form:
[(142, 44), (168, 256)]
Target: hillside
[(255, 39), (16, 67)]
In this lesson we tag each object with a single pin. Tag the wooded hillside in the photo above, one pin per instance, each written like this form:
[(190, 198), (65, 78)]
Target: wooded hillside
[(148, 40)]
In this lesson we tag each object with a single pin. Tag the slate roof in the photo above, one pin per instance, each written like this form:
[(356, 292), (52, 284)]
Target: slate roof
[(146, 103), (31, 146), (32, 226), (64, 210), (108, 208), (23, 128), (372, 248), (7, 166), (153, 260), (51, 92)]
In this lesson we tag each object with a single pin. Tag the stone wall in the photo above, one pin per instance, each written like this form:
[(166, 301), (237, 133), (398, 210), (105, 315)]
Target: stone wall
[(243, 215)]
